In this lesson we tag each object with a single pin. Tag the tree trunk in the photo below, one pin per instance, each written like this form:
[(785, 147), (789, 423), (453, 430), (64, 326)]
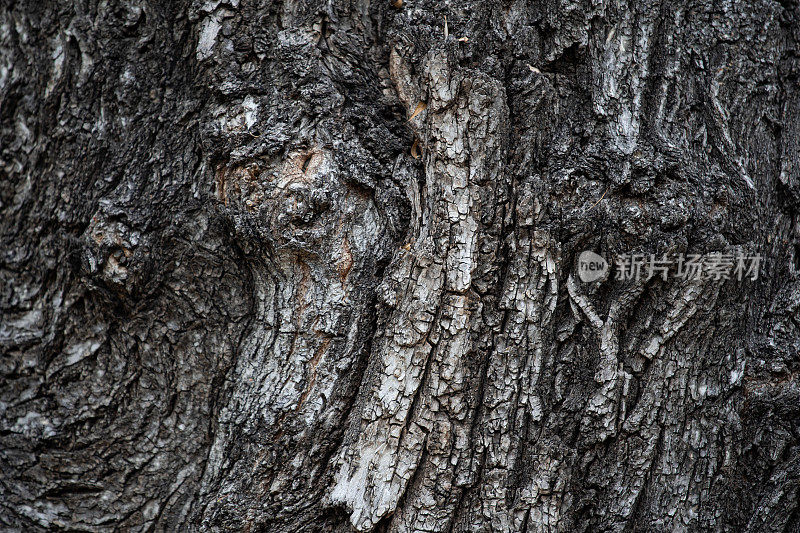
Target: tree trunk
[(314, 266)]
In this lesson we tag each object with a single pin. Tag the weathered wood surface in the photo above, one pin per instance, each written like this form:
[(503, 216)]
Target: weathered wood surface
[(310, 266)]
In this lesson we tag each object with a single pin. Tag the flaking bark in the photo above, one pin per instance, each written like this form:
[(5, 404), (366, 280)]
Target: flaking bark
[(233, 297)]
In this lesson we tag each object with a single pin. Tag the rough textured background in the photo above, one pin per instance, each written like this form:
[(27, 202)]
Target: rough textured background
[(240, 290)]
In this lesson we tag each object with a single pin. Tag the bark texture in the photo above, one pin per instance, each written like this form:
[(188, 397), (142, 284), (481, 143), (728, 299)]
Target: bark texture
[(311, 266)]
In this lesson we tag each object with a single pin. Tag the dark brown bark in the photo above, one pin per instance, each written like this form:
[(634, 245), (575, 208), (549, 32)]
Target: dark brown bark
[(297, 266)]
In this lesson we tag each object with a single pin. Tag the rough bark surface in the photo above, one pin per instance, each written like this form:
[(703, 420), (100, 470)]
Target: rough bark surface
[(311, 266)]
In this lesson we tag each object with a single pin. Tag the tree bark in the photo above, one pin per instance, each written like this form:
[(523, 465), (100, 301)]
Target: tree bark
[(312, 266)]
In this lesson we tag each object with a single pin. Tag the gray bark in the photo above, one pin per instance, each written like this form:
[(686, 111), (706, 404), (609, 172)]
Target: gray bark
[(311, 266)]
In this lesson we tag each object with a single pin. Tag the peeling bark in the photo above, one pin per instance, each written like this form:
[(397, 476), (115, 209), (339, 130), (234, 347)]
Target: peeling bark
[(297, 266)]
